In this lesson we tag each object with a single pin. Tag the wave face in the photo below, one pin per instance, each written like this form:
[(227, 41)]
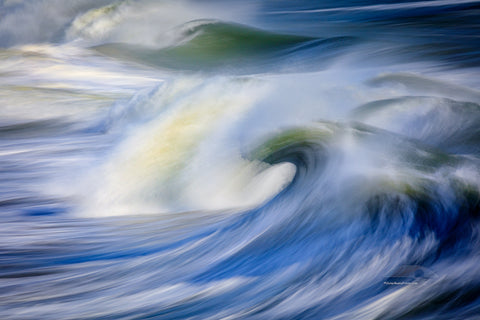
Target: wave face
[(239, 160)]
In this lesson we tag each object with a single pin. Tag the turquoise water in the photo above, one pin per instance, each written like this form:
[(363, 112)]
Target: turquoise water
[(239, 160)]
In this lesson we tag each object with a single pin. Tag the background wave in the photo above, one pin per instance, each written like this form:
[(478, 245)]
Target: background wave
[(253, 160)]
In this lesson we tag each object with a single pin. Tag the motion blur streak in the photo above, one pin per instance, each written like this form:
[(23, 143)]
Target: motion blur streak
[(239, 159)]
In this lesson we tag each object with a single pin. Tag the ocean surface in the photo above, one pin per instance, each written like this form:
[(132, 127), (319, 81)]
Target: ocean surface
[(248, 159)]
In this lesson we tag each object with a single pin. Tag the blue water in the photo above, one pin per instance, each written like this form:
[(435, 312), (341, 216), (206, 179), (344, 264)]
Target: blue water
[(239, 160)]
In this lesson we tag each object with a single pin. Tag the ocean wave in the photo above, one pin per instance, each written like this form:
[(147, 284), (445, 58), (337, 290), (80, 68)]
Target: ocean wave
[(286, 160), (214, 45)]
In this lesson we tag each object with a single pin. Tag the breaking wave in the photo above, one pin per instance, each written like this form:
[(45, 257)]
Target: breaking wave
[(212, 160)]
